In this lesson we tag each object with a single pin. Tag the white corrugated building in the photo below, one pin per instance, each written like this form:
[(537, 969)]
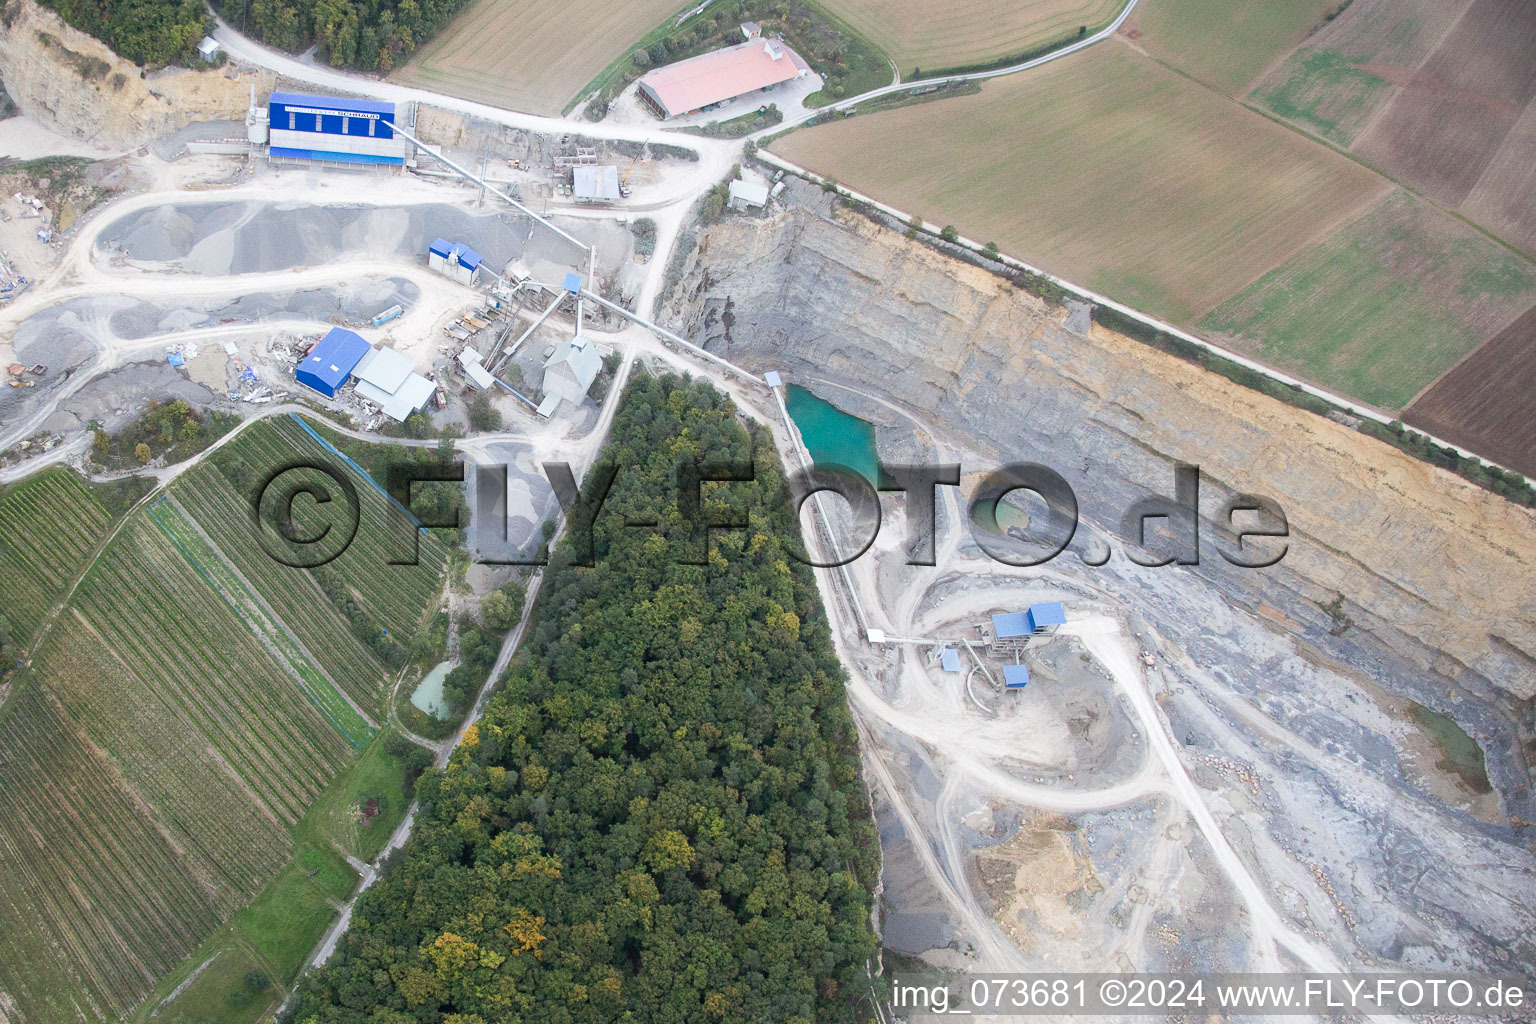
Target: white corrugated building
[(595, 184), (388, 379)]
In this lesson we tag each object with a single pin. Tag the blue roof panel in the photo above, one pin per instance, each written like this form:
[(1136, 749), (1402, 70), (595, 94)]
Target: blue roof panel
[(340, 104), (573, 283), (1015, 677), (468, 258), (950, 660), (1012, 624), (441, 246), (1047, 613)]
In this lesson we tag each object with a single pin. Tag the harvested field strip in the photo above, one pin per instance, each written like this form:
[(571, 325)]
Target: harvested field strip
[(530, 55), (94, 904), (935, 36), (1382, 306), (221, 576), (290, 592), (1335, 82), (1445, 126), (1485, 402), (1108, 169), (1225, 43), (1504, 199), (47, 527)]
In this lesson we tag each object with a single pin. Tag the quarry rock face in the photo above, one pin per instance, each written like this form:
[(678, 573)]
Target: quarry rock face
[(1397, 573), (74, 84)]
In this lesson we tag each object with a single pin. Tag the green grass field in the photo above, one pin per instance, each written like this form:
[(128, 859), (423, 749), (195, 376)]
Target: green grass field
[(289, 917), (1383, 306), (219, 992), (1106, 168), (1226, 43), (335, 817)]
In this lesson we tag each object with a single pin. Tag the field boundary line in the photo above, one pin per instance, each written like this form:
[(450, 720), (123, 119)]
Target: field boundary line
[(1336, 400)]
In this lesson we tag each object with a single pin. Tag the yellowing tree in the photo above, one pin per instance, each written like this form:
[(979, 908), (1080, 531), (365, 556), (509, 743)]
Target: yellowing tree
[(523, 930), (453, 956), (668, 849)]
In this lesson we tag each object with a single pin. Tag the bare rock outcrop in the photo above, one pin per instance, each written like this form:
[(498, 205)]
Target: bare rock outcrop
[(76, 85)]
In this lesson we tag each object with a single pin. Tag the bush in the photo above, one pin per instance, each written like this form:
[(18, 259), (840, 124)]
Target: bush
[(642, 59), (644, 230), (950, 233), (501, 608), (483, 414), (256, 981)]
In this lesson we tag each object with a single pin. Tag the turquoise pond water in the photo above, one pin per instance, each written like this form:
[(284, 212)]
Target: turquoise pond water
[(832, 435), (428, 695)]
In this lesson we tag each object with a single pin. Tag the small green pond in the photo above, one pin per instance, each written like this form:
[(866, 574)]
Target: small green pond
[(428, 696), (1460, 752)]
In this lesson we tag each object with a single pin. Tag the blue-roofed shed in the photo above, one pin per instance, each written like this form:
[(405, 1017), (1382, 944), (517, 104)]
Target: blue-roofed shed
[(467, 257), (573, 283), (950, 660), (1011, 624), (440, 247), (1046, 615), (331, 361), (1015, 677)]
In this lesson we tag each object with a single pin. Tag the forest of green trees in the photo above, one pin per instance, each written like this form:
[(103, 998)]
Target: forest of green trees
[(149, 32), (660, 816), (371, 35)]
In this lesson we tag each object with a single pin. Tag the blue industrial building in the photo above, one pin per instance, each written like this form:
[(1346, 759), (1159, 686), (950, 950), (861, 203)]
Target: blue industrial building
[(453, 259), (1046, 616), (1040, 618), (950, 659), (333, 130), (1015, 677), (332, 361)]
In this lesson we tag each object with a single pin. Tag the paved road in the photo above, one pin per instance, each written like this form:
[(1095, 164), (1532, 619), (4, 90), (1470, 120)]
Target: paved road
[(975, 76)]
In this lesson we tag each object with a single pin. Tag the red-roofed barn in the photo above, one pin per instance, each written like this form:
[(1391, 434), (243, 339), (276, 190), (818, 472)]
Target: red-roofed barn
[(720, 75)]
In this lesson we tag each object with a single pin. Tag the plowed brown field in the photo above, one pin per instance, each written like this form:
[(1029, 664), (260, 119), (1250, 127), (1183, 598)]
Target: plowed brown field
[(1487, 402)]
